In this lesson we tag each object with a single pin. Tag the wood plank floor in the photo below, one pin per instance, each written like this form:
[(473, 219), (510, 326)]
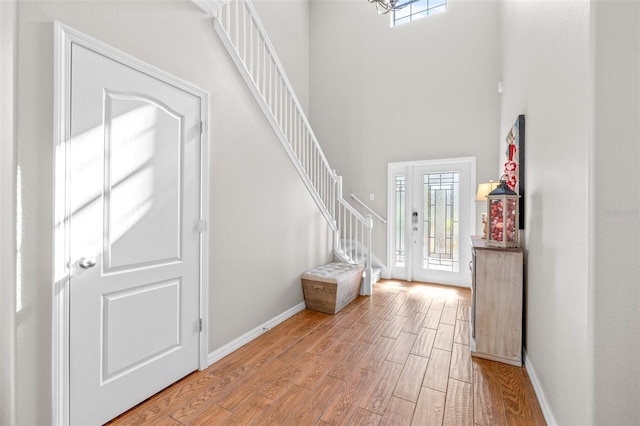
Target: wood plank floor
[(399, 357)]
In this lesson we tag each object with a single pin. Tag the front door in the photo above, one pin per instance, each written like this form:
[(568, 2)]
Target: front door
[(432, 215), (134, 244)]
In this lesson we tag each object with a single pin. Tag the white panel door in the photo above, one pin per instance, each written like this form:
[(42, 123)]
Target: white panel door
[(134, 180), (441, 223)]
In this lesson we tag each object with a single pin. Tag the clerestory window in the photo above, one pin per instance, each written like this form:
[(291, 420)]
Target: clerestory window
[(416, 9)]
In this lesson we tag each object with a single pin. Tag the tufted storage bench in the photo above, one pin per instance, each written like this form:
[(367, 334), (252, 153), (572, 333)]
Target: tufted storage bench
[(329, 288)]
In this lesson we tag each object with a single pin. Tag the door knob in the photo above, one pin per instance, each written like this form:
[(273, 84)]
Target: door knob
[(87, 262)]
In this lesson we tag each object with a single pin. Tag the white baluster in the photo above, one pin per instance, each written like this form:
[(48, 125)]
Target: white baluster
[(270, 87), (244, 33), (236, 25), (227, 9)]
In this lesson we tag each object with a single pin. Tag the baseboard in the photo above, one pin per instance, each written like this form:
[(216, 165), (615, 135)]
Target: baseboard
[(544, 405), (235, 344)]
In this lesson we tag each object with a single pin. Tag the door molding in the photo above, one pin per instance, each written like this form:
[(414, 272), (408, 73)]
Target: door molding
[(64, 37), (407, 167)]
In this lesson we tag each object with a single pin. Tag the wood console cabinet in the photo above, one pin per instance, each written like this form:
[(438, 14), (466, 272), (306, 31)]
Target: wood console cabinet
[(496, 302)]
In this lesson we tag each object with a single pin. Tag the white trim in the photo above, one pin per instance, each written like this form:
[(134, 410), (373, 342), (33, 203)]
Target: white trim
[(60, 311), (8, 230), (204, 234), (535, 382), (235, 344), (210, 6), (433, 162), (64, 36)]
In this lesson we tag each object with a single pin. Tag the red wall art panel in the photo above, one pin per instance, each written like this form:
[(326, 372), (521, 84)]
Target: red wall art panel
[(514, 165)]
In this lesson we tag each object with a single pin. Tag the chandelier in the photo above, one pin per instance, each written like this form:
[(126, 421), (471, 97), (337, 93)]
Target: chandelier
[(386, 6)]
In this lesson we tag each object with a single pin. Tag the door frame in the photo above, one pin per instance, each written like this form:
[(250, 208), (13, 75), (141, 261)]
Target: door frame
[(408, 166), (64, 37)]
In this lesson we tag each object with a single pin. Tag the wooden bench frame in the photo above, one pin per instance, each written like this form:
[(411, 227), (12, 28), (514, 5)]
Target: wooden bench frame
[(331, 293)]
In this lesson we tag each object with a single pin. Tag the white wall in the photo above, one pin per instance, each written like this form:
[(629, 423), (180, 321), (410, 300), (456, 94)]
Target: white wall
[(264, 227), (573, 68), (546, 72), (615, 216), (421, 91)]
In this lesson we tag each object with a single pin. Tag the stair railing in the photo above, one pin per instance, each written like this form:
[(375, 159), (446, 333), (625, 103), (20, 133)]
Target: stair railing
[(243, 35), (245, 38), (369, 209), (353, 237)]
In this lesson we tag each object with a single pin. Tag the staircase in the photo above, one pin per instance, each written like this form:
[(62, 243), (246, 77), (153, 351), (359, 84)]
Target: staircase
[(239, 27)]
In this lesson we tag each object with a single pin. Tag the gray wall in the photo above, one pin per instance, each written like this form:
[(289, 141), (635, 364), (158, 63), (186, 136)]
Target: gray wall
[(264, 227), (422, 91)]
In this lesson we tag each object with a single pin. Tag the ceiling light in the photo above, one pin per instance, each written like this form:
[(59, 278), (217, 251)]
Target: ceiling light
[(386, 6)]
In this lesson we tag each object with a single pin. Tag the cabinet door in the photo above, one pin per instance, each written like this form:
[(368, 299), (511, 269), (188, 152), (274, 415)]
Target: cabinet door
[(498, 310)]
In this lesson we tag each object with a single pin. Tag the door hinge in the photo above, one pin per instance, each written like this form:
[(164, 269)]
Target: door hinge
[(202, 226), (200, 324), (201, 127)]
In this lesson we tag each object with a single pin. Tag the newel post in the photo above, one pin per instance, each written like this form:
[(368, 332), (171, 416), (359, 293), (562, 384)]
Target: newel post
[(332, 196), (368, 290), (337, 244)]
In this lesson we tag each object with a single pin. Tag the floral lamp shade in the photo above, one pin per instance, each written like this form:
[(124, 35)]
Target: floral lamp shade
[(502, 209), (483, 191)]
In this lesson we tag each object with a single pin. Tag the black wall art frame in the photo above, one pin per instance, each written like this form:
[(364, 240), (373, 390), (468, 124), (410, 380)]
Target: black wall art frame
[(514, 164)]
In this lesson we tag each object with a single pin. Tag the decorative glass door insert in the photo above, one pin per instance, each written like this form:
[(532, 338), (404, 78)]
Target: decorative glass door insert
[(400, 228), (441, 221)]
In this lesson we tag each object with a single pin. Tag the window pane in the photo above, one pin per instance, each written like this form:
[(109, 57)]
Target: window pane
[(419, 6), (439, 214), (415, 9), (438, 9), (420, 15), (402, 13)]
